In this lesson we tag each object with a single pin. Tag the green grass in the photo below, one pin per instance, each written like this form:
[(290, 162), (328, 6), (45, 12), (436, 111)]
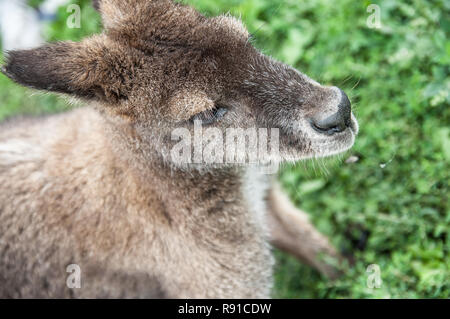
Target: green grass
[(396, 195)]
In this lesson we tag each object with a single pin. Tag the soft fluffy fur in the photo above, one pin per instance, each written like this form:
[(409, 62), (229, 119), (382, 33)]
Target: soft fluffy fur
[(96, 186)]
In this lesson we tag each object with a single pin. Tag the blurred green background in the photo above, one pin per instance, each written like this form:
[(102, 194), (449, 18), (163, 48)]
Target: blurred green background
[(390, 207)]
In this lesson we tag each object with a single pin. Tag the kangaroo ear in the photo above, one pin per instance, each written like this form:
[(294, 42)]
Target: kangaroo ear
[(96, 4), (119, 13), (89, 69), (149, 20)]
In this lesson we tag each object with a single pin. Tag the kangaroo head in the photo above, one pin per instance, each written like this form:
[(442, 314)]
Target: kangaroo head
[(161, 65)]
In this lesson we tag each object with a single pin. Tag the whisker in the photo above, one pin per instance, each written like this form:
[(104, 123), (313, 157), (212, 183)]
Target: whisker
[(265, 23), (357, 83), (347, 79)]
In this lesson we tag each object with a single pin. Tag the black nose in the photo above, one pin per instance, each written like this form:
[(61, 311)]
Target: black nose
[(337, 122)]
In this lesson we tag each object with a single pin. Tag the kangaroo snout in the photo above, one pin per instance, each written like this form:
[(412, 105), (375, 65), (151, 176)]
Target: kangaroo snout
[(337, 122)]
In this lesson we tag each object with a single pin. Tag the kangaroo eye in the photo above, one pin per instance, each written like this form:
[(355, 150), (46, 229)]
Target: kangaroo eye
[(210, 116)]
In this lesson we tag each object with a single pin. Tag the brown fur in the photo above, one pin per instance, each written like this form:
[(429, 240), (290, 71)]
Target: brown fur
[(96, 186)]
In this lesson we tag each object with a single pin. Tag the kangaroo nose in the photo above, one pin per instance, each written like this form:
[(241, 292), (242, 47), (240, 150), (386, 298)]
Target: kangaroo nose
[(337, 122)]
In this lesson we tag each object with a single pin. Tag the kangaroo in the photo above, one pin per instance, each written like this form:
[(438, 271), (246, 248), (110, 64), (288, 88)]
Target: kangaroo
[(97, 187)]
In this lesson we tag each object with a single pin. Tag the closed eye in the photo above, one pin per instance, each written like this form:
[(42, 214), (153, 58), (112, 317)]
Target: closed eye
[(209, 117)]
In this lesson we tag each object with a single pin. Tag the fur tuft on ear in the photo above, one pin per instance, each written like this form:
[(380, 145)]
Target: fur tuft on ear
[(90, 69)]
